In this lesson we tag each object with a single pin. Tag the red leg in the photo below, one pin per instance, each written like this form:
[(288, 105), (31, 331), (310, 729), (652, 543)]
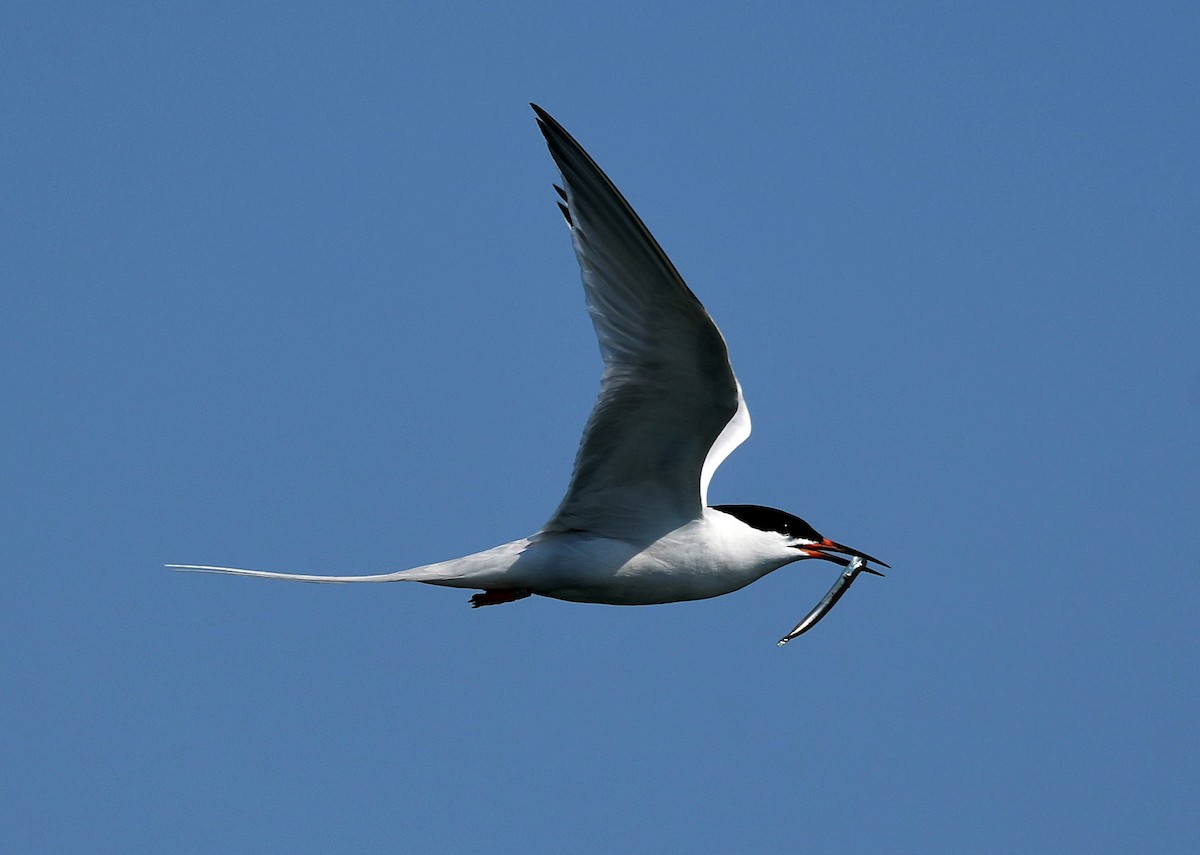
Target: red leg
[(495, 598)]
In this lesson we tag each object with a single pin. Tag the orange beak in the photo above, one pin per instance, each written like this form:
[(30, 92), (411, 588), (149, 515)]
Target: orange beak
[(828, 549)]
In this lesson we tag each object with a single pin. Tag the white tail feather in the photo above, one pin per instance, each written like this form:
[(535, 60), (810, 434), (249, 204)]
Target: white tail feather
[(480, 570), (295, 577)]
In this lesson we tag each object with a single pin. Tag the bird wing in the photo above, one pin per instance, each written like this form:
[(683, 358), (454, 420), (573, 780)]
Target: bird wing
[(670, 409)]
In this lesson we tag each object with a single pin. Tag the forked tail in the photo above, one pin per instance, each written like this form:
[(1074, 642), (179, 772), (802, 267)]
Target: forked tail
[(480, 570), (414, 575)]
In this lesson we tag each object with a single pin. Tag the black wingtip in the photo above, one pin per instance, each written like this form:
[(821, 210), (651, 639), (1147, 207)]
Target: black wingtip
[(544, 119), (549, 127)]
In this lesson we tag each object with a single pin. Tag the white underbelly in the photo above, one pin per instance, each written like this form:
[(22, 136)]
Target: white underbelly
[(694, 562), (624, 576)]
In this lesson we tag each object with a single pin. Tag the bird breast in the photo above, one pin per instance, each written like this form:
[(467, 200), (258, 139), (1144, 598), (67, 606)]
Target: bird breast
[(705, 558)]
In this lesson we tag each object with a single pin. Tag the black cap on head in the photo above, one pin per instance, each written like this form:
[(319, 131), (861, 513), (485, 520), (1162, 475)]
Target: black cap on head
[(771, 519)]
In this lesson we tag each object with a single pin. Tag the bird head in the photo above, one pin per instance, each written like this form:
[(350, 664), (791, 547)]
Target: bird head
[(800, 535)]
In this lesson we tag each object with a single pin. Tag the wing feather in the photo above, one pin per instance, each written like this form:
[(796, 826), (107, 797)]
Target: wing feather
[(670, 408)]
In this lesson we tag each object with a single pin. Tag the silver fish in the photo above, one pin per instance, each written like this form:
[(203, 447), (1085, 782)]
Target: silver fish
[(856, 566)]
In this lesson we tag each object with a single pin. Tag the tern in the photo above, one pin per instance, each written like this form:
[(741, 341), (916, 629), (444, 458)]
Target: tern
[(635, 527)]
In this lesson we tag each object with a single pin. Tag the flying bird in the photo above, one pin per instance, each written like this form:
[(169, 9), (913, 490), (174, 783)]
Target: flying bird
[(635, 527)]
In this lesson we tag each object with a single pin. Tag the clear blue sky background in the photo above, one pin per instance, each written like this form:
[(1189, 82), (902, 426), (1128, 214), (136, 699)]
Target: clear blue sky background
[(285, 287)]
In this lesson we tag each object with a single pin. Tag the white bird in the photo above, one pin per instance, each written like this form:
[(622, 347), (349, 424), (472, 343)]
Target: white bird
[(635, 527)]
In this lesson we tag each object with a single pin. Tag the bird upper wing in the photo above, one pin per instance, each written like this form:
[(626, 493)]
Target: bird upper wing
[(670, 408)]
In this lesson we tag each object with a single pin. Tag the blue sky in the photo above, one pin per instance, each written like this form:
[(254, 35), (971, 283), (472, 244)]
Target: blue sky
[(285, 287)]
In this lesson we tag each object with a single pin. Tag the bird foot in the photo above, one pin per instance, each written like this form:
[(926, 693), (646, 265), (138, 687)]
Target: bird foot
[(495, 598)]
